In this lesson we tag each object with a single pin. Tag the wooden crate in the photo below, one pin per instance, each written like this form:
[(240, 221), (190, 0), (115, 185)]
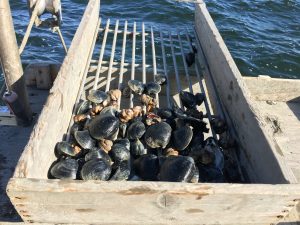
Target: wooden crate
[(38, 199)]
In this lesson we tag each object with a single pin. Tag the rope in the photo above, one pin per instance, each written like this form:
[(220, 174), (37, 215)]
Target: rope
[(27, 33), (61, 38)]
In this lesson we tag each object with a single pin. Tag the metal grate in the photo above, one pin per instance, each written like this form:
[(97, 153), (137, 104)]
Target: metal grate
[(133, 51)]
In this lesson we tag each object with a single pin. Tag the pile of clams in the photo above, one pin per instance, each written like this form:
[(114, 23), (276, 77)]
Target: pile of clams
[(143, 142)]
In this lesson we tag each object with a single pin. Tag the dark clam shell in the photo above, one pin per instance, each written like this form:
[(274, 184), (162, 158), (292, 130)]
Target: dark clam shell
[(84, 139), (97, 96), (136, 130), (218, 125), (83, 107), (76, 127), (164, 113), (122, 171), (123, 141), (97, 153), (123, 129), (65, 169), (104, 127), (182, 137), (200, 97), (66, 149), (158, 135), (147, 167), (137, 148), (109, 111), (152, 88), (188, 99), (119, 153), (160, 79), (177, 169), (136, 86), (96, 169)]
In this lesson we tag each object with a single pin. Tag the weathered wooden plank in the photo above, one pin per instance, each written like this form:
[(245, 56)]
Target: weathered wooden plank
[(54, 119), (265, 88), (97, 202), (258, 153)]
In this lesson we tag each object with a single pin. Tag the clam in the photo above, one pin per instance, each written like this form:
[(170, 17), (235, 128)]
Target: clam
[(126, 115), (152, 88), (218, 125), (182, 137), (83, 107), (66, 149), (97, 153), (171, 152), (96, 169), (80, 117), (136, 130), (209, 173), (190, 58), (119, 153), (115, 94), (188, 99), (137, 148), (122, 171), (75, 127), (97, 96), (147, 167), (84, 139), (123, 141), (200, 97), (123, 129), (65, 169), (136, 86), (164, 113), (160, 79), (177, 169), (103, 127), (158, 135), (109, 111)]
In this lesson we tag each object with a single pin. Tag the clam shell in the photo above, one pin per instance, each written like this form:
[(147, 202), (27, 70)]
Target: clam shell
[(97, 96), (96, 169), (136, 86), (122, 171), (66, 149), (137, 148), (200, 97), (147, 167), (152, 88), (188, 99), (119, 153), (103, 127), (160, 79), (136, 130), (83, 107), (182, 137), (158, 135), (65, 169), (97, 153), (84, 139), (177, 169)]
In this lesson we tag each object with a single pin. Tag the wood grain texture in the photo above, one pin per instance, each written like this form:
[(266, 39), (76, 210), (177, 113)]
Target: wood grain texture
[(94, 202), (258, 147), (54, 119)]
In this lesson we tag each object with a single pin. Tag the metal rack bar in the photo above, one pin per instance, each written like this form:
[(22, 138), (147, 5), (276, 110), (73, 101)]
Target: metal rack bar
[(122, 61), (165, 68), (154, 61), (185, 65), (179, 88), (112, 57), (133, 60)]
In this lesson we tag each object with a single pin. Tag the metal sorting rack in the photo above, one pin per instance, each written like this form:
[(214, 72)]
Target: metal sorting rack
[(132, 51)]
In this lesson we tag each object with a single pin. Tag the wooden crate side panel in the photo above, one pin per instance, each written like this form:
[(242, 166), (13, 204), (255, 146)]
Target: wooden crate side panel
[(94, 202), (264, 164), (265, 88), (54, 119)]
